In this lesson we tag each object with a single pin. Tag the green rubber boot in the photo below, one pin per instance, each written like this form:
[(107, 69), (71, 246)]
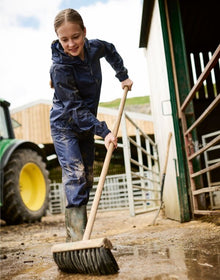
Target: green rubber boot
[(75, 219)]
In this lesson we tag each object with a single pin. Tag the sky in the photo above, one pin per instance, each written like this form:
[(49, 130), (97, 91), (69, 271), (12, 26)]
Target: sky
[(26, 28)]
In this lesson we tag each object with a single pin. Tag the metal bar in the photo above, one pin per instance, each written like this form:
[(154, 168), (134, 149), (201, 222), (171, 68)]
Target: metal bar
[(215, 183), (127, 155), (217, 147), (208, 162), (135, 174), (211, 143), (146, 178), (143, 134), (205, 190), (144, 189), (145, 199), (213, 161), (102, 142), (137, 145), (202, 77), (138, 164), (194, 202), (142, 149), (206, 212), (202, 171), (207, 111), (211, 134)]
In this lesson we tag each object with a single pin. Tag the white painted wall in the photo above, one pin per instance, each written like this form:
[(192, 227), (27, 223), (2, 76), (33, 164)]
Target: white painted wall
[(159, 91)]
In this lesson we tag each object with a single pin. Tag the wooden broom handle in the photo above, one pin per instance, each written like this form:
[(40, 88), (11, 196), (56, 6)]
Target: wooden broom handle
[(104, 171), (167, 152)]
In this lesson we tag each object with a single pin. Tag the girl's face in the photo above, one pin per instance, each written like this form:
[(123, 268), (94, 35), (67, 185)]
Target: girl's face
[(71, 37)]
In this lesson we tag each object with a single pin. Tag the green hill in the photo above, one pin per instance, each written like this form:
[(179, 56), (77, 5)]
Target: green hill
[(139, 100)]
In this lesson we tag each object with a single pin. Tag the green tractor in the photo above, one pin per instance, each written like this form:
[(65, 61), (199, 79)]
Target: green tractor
[(24, 182)]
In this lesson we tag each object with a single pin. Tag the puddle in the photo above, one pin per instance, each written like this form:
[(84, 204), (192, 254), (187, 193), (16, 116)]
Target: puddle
[(156, 262)]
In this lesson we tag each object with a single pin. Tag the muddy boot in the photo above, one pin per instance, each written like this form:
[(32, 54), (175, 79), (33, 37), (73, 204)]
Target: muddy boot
[(75, 219)]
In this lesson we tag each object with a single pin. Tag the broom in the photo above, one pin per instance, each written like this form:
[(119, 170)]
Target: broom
[(91, 256)]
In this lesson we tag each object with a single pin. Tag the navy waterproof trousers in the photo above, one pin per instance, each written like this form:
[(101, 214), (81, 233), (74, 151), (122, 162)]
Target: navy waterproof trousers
[(76, 156)]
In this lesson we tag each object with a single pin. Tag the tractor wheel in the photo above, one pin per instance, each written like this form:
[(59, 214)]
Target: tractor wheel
[(25, 189)]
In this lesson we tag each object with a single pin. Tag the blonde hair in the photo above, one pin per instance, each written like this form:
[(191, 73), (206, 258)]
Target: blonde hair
[(51, 84), (68, 15)]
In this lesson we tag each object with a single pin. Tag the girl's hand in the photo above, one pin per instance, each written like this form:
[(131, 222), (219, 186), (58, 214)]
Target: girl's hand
[(110, 138), (127, 83)]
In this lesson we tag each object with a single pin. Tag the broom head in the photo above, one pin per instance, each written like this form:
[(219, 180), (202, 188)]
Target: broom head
[(92, 256)]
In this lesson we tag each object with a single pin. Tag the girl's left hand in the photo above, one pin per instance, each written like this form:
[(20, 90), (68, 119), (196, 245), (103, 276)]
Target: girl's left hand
[(110, 138), (127, 83)]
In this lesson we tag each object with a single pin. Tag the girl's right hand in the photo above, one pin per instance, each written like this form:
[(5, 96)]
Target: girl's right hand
[(127, 83), (110, 138)]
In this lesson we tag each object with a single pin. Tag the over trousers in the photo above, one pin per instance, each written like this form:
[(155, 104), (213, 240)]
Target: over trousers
[(76, 156)]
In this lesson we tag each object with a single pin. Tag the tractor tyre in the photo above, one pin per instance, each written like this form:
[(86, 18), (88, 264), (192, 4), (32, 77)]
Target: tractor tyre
[(25, 188)]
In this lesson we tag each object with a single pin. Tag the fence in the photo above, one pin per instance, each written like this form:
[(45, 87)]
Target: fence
[(114, 195), (144, 196)]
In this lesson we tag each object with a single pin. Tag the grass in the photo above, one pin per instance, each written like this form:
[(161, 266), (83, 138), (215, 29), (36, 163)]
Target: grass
[(130, 101)]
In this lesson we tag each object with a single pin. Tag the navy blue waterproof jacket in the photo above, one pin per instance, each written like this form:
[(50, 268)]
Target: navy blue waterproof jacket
[(77, 86)]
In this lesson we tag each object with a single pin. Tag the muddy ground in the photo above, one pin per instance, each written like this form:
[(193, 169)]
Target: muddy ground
[(168, 250)]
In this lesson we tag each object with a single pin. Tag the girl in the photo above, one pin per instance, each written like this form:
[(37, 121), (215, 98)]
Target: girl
[(76, 78)]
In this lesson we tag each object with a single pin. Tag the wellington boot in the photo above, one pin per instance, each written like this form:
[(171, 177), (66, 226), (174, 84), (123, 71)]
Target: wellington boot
[(75, 219)]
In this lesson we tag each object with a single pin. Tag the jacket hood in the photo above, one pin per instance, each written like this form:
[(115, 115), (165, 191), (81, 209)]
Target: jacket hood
[(60, 57)]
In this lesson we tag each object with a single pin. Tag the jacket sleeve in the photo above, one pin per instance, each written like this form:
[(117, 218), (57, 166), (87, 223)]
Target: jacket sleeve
[(73, 105), (115, 60)]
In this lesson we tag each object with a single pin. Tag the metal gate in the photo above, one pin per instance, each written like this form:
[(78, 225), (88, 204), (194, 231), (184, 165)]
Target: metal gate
[(142, 169), (203, 169)]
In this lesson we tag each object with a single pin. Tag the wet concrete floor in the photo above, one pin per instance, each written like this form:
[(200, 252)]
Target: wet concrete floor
[(169, 250)]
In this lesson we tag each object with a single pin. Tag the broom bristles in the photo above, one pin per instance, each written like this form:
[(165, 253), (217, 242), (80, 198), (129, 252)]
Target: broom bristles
[(95, 261)]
